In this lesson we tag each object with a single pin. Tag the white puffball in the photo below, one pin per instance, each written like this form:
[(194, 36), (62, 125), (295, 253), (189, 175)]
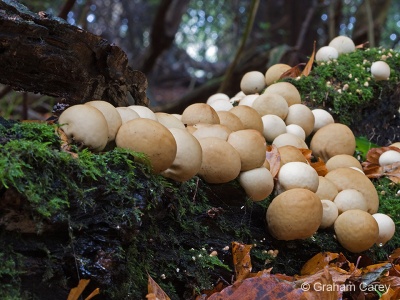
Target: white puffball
[(380, 70), (386, 228), (326, 53)]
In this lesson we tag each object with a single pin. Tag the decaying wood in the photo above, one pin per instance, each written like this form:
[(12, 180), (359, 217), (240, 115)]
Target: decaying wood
[(44, 54)]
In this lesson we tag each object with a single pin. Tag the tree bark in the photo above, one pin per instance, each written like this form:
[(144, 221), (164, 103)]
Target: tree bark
[(44, 54)]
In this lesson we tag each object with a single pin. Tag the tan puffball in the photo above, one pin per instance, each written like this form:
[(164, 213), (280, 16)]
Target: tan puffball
[(230, 120), (285, 139), (112, 116), (347, 178), (275, 72), (271, 104), (188, 157), (252, 82), (294, 214), (216, 97), (296, 130), (151, 138), (211, 130), (329, 214), (396, 144), (287, 90), (249, 117), (143, 112), (386, 226), (321, 118), (127, 114), (248, 100), (350, 199), (169, 120), (86, 125), (331, 140), (220, 161), (257, 183), (298, 175), (326, 189), (273, 126), (301, 115), (356, 230), (251, 146), (290, 153), (342, 161), (199, 113)]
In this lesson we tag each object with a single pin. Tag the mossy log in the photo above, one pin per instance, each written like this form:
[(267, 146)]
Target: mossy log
[(44, 54)]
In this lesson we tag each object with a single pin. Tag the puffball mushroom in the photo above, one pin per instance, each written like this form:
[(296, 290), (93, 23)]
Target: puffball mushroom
[(347, 178), (249, 117), (294, 214), (326, 189), (127, 114), (287, 90), (86, 125), (251, 146), (275, 72), (342, 161), (258, 183), (199, 113), (326, 53), (380, 70), (169, 120), (252, 82), (211, 130), (220, 161), (321, 118), (356, 230), (151, 138), (298, 175), (389, 157), (273, 126), (329, 213), (386, 226), (143, 112), (350, 199), (331, 140), (113, 118), (343, 44), (230, 120), (290, 153), (296, 130), (285, 139), (223, 105), (188, 157), (248, 100), (271, 104), (216, 97), (301, 115)]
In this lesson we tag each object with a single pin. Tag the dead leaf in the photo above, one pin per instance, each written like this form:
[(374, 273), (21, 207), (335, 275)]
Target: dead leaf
[(76, 292), (92, 294), (293, 72), (318, 262), (155, 291), (274, 159), (308, 67), (315, 282), (241, 260), (318, 166), (372, 169)]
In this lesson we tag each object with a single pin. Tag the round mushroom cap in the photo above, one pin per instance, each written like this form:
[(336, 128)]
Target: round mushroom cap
[(143, 112), (273, 126), (396, 144), (271, 104), (321, 118), (127, 114), (290, 153), (199, 113), (294, 214), (287, 90), (326, 53), (221, 105), (347, 178), (329, 213), (252, 82), (298, 175), (342, 161), (188, 157), (251, 146), (350, 199), (257, 183), (86, 125), (386, 226), (326, 189), (343, 44), (151, 138), (356, 230), (248, 100), (296, 130), (230, 120), (301, 115), (169, 120), (249, 117), (112, 116), (220, 161), (211, 130), (216, 97), (331, 140), (389, 157), (380, 70), (275, 72), (286, 139)]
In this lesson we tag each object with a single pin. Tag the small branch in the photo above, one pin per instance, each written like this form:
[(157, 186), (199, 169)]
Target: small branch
[(371, 35), (305, 26)]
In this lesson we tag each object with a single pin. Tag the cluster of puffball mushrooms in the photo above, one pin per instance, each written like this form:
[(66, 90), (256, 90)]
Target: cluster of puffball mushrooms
[(226, 139)]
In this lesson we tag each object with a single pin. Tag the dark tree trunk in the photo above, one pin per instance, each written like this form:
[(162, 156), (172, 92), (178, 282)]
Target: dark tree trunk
[(44, 54)]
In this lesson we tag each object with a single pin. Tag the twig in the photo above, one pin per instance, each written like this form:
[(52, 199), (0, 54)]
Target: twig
[(371, 36), (305, 26)]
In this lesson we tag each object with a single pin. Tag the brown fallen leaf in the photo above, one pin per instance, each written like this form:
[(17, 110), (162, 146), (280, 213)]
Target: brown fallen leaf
[(274, 159), (77, 291), (154, 291), (241, 260), (372, 169), (318, 262), (293, 72), (308, 67), (320, 286), (318, 166)]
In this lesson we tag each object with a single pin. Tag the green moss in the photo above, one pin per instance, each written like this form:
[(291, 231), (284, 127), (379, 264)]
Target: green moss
[(345, 87), (10, 271)]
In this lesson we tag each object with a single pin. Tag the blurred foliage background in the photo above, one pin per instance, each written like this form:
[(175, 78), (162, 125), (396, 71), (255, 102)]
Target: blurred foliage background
[(183, 45)]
